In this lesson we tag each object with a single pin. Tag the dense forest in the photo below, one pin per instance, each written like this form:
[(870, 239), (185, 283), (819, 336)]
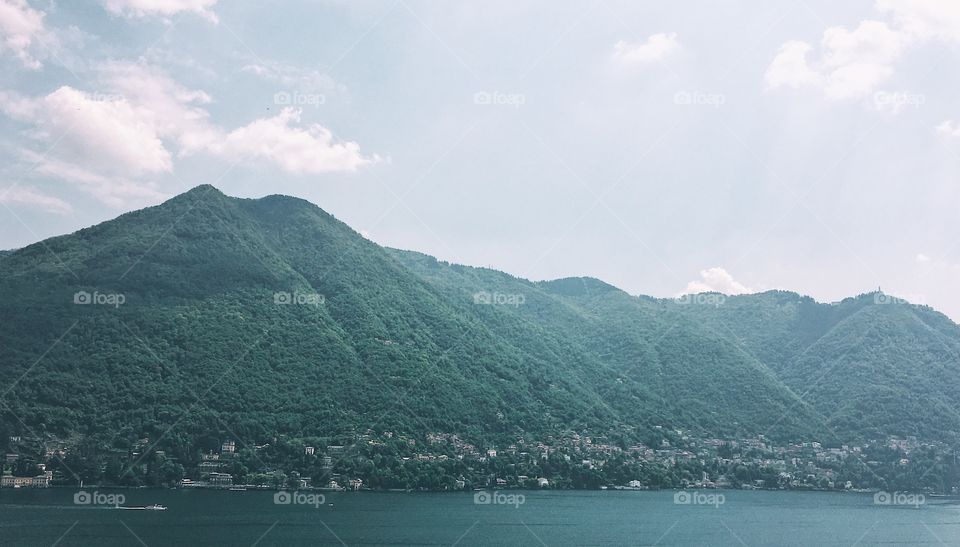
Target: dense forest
[(211, 317)]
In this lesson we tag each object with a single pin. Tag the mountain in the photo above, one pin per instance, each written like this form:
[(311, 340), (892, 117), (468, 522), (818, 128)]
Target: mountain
[(872, 365), (210, 316)]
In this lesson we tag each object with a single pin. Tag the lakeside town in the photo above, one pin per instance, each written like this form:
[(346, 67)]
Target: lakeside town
[(444, 461)]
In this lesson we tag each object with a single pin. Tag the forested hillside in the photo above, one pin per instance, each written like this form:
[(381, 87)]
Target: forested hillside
[(210, 314)]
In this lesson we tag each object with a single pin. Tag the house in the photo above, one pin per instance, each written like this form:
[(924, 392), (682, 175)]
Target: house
[(635, 484), (209, 467), (355, 484), (228, 447), (40, 481), (220, 479), (309, 450), (543, 483)]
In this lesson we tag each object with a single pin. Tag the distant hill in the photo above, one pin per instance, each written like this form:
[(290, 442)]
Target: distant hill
[(263, 317)]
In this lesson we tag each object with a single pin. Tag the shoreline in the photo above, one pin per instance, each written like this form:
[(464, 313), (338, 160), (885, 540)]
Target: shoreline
[(256, 488)]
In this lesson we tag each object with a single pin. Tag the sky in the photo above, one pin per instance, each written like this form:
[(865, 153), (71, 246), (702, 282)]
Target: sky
[(665, 148)]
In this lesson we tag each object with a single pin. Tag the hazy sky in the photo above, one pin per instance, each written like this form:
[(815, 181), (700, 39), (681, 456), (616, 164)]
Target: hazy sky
[(662, 147)]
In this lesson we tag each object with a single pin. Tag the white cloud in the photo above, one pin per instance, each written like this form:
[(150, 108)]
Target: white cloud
[(95, 141), (307, 150), (173, 112), (32, 197), (716, 280), (653, 50), (295, 78), (104, 134), (852, 63), (115, 191), (790, 67), (21, 28), (924, 19), (131, 131), (949, 128), (162, 8), (921, 258)]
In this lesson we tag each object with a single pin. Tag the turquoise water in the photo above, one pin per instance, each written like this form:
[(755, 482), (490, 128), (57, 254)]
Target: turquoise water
[(204, 517)]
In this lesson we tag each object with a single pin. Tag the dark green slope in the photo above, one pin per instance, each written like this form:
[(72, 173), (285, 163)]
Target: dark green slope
[(660, 367), (199, 344), (402, 342), (872, 365)]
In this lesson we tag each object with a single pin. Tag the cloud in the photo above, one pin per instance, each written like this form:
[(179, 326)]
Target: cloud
[(115, 191), (116, 142), (307, 150), (924, 19), (162, 8), (32, 197), (295, 78), (21, 28), (921, 258), (653, 50), (790, 67), (104, 133), (852, 63), (949, 128), (715, 280)]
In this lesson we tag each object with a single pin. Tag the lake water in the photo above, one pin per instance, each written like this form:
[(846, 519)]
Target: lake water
[(205, 517)]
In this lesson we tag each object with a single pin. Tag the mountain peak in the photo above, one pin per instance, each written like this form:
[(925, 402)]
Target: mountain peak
[(203, 189)]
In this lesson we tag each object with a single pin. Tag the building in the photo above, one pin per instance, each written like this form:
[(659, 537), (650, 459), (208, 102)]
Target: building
[(40, 481), (209, 467), (309, 450), (220, 479), (228, 447)]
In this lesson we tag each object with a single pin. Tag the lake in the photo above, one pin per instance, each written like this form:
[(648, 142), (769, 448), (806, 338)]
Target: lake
[(208, 517)]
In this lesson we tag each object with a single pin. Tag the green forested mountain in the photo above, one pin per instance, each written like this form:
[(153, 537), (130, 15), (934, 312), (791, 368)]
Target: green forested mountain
[(871, 365), (210, 314)]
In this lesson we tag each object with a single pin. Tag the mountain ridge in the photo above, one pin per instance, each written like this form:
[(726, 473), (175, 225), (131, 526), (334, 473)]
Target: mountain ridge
[(413, 338)]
